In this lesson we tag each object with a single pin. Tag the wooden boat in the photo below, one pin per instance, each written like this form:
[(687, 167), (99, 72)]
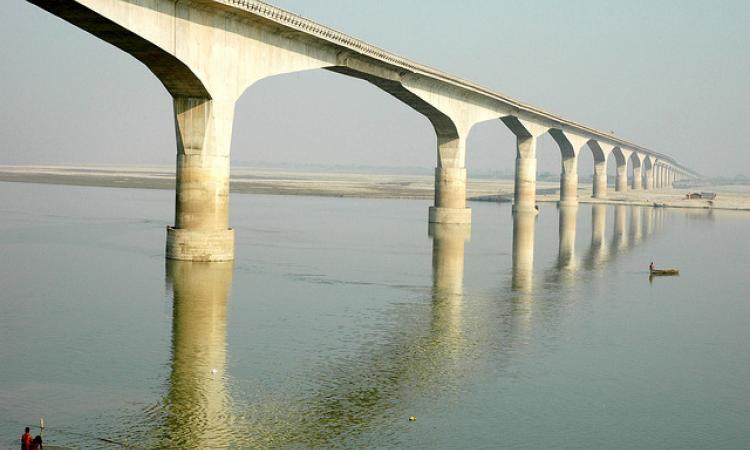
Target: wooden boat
[(665, 271)]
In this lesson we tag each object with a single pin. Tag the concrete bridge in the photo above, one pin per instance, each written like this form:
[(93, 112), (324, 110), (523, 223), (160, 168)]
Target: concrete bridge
[(207, 53)]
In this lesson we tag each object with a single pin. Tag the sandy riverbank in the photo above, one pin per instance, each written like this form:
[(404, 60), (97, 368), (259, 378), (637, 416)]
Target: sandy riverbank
[(288, 182)]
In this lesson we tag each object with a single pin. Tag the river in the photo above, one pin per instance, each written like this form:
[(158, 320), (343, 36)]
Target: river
[(341, 318)]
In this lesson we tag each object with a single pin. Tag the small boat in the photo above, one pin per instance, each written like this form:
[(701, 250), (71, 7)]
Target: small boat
[(664, 271)]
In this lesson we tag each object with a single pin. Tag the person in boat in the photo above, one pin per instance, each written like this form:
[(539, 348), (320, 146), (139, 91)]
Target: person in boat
[(26, 439), (36, 444), (651, 266)]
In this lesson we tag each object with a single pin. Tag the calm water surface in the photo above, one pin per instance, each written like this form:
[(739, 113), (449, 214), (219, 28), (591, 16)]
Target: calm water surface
[(341, 318)]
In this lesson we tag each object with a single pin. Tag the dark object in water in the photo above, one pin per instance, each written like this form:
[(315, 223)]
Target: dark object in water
[(664, 271)]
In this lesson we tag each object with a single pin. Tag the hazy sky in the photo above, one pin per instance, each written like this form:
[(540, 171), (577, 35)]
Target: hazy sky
[(673, 76)]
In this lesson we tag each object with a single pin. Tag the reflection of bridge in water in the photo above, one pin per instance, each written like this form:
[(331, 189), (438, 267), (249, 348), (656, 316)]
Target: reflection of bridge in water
[(627, 233), (430, 352)]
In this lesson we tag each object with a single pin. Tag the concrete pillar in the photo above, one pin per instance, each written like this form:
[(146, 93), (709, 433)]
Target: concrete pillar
[(197, 401), (637, 181), (567, 236), (524, 194), (570, 145), (450, 183), (569, 182), (524, 223), (670, 179), (204, 132), (600, 179), (621, 180), (657, 176), (648, 176)]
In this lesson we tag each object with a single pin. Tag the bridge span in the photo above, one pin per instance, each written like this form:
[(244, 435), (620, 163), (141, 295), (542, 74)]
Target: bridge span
[(207, 53)]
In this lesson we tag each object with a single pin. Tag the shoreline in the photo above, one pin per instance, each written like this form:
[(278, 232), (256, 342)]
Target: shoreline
[(360, 185)]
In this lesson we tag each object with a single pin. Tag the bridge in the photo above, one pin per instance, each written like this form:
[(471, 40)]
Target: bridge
[(207, 53)]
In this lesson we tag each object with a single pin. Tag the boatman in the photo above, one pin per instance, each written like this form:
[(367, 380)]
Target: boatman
[(651, 266)]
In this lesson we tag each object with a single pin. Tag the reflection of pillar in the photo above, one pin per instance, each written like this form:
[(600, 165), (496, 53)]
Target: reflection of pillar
[(619, 235), (523, 250), (636, 229), (448, 256), (567, 232), (448, 275), (204, 132), (648, 226), (598, 229), (197, 404)]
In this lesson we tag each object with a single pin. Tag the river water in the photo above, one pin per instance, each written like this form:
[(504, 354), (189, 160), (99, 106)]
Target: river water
[(341, 318)]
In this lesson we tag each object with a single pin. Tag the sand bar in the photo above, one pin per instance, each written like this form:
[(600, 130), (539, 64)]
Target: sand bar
[(365, 185)]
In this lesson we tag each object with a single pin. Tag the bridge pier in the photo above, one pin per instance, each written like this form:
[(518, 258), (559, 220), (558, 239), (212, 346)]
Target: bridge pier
[(648, 175), (569, 183), (601, 152), (450, 184), (637, 182), (600, 179), (657, 176), (524, 184), (201, 231), (621, 180), (621, 175), (524, 193), (662, 177), (570, 146)]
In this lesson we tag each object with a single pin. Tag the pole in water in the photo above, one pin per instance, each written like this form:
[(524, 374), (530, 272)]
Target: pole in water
[(41, 426)]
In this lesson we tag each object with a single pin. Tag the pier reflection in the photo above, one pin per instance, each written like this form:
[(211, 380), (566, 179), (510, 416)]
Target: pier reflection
[(448, 241), (524, 224), (632, 226), (636, 225), (620, 230), (431, 347), (597, 253), (566, 258), (197, 407)]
